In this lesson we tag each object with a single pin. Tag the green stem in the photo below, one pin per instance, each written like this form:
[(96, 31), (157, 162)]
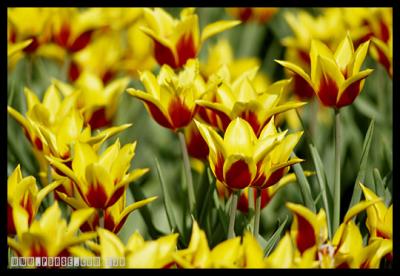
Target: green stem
[(257, 213), (101, 218), (232, 214), (188, 171), (336, 194)]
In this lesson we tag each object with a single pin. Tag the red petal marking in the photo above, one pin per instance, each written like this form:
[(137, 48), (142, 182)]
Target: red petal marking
[(304, 56), (245, 14), (157, 114), (275, 177), (381, 234), (383, 59), (109, 223), (243, 203), (38, 250), (186, 49), (96, 196), (238, 175), (119, 225), (10, 221), (179, 113), (62, 37), (13, 35), (197, 146), (301, 88), (252, 119), (164, 55), (306, 235), (38, 144), (33, 46), (99, 119), (350, 94), (219, 174), (108, 76), (81, 41), (260, 178), (115, 196), (265, 198), (328, 91), (74, 71), (384, 31), (68, 164), (343, 265), (27, 204), (91, 224)]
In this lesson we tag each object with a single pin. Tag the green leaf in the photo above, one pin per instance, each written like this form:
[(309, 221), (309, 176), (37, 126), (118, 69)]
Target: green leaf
[(166, 199), (327, 197), (363, 164), (379, 186), (207, 201), (304, 186), (275, 237), (144, 211)]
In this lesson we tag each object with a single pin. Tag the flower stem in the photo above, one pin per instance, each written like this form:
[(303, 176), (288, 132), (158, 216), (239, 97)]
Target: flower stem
[(257, 213), (336, 195), (188, 171), (101, 218), (232, 215)]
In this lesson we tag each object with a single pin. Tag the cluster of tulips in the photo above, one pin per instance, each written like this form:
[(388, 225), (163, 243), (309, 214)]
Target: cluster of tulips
[(227, 115)]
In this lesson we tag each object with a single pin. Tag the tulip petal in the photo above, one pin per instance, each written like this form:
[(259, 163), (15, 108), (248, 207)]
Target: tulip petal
[(15, 48), (283, 255), (154, 106), (239, 171), (351, 88), (217, 27), (358, 208), (214, 141), (297, 70), (100, 186), (225, 253), (239, 138), (359, 57), (46, 190), (318, 49), (344, 53), (79, 217), (150, 84)]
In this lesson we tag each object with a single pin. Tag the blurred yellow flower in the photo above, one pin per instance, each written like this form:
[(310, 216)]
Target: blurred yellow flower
[(23, 192), (178, 40), (102, 179), (51, 236), (260, 15), (170, 98), (335, 77)]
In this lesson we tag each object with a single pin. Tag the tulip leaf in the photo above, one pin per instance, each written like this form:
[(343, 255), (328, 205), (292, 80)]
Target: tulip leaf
[(363, 164), (327, 198), (144, 211), (166, 199), (379, 185), (304, 186), (207, 200), (271, 242)]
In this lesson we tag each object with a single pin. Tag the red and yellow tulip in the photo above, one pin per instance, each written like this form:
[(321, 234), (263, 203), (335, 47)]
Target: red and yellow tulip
[(260, 15), (335, 77), (234, 158), (23, 192), (101, 179), (51, 236), (228, 99), (170, 98), (178, 40)]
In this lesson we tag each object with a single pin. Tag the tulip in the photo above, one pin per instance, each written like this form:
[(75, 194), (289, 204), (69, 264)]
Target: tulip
[(238, 98), (177, 41), (23, 192), (260, 15), (383, 53), (137, 253), (170, 98), (51, 236), (234, 158), (102, 179), (336, 78), (196, 145)]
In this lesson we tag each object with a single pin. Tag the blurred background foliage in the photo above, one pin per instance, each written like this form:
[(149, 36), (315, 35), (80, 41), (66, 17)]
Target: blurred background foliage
[(247, 40)]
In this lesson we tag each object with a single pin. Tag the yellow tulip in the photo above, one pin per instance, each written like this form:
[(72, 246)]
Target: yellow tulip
[(379, 217), (335, 77), (23, 192), (51, 236), (98, 102), (228, 99), (137, 253), (234, 158), (383, 53), (170, 98), (100, 179), (178, 40), (260, 15)]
